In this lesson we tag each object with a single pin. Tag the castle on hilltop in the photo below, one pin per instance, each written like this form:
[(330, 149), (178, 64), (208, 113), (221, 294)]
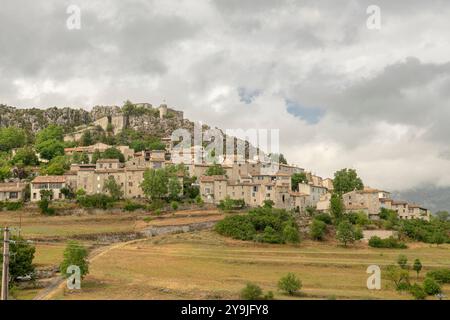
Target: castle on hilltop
[(113, 118)]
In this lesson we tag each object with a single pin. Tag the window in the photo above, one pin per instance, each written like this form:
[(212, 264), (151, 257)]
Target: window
[(13, 195), (130, 184), (34, 195)]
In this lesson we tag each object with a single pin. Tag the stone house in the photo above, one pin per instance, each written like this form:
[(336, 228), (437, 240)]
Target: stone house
[(12, 191), (52, 183)]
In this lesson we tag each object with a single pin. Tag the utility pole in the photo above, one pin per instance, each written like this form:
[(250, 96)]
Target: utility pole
[(5, 270)]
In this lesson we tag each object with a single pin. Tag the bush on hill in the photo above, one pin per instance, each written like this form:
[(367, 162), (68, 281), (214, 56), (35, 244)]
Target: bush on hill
[(262, 225), (391, 242)]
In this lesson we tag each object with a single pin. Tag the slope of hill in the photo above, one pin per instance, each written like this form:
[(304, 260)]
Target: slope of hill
[(431, 197)]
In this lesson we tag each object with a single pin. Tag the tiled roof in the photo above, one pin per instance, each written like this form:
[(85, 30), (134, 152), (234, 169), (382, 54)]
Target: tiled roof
[(49, 179)]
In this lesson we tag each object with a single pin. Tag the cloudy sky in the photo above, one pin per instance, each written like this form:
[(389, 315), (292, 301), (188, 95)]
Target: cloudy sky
[(342, 95)]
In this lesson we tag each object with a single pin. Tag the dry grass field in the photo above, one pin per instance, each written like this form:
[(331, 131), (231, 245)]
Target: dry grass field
[(204, 265)]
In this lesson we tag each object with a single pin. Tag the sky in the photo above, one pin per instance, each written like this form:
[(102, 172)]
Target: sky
[(343, 95)]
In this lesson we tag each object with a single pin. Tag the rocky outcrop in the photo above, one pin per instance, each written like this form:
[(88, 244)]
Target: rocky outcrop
[(35, 119)]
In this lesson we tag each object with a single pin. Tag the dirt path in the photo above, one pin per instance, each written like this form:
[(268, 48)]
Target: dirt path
[(59, 282)]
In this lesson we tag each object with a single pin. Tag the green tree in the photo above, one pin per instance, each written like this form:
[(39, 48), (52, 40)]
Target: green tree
[(346, 180), (113, 153), (57, 166), (12, 137), (317, 229), (290, 284), (297, 178), (417, 267), (155, 183), (215, 170), (25, 156), (49, 149), (5, 172), (431, 287), (251, 292), (84, 158), (128, 108), (113, 188), (22, 255), (291, 234), (402, 261), (86, 138), (418, 292), (336, 207), (268, 203), (95, 156), (75, 254), (174, 188), (51, 132), (346, 233), (399, 276)]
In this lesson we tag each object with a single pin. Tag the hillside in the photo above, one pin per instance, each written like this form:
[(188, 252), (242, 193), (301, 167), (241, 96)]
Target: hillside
[(431, 197)]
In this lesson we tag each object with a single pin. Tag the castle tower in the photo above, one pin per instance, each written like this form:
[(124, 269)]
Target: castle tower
[(162, 111)]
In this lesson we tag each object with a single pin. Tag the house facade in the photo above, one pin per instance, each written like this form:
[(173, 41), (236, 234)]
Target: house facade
[(51, 183), (12, 191)]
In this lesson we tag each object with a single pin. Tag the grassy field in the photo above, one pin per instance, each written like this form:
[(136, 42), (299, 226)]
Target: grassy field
[(203, 265)]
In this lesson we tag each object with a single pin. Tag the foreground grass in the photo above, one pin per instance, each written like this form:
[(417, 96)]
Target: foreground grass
[(204, 265)]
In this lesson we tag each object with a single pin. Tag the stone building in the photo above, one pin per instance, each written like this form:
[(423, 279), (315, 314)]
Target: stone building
[(52, 183), (12, 191)]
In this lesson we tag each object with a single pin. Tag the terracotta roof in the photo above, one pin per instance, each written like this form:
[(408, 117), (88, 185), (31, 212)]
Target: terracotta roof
[(49, 179), (386, 200), (12, 187)]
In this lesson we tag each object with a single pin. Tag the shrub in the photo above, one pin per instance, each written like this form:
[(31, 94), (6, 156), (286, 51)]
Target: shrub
[(157, 212), (147, 219), (251, 292), (260, 224), (435, 231), (318, 229), (391, 242), (402, 261), (132, 206), (418, 292), (199, 201), (431, 287), (324, 217), (229, 204), (237, 227), (269, 236), (174, 205), (440, 275), (291, 234), (13, 206), (398, 276), (98, 201), (290, 284), (43, 205)]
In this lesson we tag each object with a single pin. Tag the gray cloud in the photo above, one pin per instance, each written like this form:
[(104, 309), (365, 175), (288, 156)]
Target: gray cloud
[(373, 100)]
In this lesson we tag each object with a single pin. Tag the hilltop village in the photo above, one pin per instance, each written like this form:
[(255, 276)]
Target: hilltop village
[(89, 171)]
